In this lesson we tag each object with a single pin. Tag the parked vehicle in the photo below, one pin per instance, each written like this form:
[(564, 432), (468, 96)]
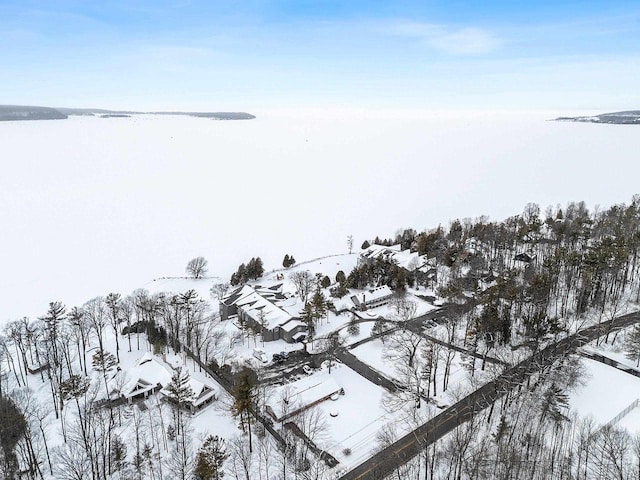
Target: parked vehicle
[(277, 358), (260, 355)]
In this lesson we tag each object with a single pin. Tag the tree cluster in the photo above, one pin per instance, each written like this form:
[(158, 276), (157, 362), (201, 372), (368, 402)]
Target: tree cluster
[(288, 261), (251, 271)]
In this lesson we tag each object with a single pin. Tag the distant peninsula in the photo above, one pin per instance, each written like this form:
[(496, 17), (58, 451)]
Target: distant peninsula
[(19, 112), (22, 112), (629, 117)]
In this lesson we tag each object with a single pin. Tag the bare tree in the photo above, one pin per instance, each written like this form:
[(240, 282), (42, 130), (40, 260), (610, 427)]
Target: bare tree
[(304, 283), (113, 302), (313, 423), (241, 458), (197, 267), (219, 290)]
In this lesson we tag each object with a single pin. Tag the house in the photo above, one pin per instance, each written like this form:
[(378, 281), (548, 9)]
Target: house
[(406, 259), (376, 297), (524, 257), (262, 309), (150, 375), (292, 399), (204, 392)]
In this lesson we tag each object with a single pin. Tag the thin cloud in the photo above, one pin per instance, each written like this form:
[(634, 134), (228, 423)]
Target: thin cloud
[(450, 40)]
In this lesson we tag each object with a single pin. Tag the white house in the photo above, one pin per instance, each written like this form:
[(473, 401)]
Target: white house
[(150, 374), (376, 297)]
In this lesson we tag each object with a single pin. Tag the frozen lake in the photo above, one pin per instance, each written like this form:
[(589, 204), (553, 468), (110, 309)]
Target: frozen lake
[(92, 205)]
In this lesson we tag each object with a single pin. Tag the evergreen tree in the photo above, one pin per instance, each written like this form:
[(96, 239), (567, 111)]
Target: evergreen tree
[(73, 387), (365, 245), (353, 329), (339, 291), (103, 361), (180, 392), (243, 395), (632, 344), (258, 268), (178, 389), (308, 317), (319, 304), (341, 277), (325, 282), (285, 261), (118, 453), (12, 428), (210, 459)]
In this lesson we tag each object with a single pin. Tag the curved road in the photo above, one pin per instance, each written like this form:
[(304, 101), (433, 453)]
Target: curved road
[(383, 463)]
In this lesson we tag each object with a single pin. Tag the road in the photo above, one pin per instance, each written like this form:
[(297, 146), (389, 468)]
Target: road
[(383, 463), (416, 325)]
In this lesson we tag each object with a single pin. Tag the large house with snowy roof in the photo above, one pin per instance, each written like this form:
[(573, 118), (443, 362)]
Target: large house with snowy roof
[(375, 297), (147, 376), (406, 259), (150, 374), (262, 309), (203, 391), (422, 268)]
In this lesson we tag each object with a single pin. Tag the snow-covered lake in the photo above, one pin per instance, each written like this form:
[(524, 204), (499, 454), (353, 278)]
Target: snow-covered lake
[(93, 205)]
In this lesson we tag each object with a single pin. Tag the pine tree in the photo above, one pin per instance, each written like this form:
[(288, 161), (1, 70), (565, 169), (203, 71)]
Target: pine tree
[(103, 361), (365, 245), (308, 317), (178, 389), (12, 428), (118, 453), (285, 261), (632, 344), (319, 304), (326, 282), (210, 459), (73, 387), (243, 395), (257, 269)]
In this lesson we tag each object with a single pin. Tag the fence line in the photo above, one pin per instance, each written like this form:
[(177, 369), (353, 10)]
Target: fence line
[(623, 413), (229, 388)]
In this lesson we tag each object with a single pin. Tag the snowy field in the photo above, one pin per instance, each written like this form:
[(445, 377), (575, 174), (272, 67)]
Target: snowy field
[(95, 205), (606, 393)]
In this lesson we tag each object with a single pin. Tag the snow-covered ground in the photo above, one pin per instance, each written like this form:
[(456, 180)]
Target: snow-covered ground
[(360, 414), (606, 393), (95, 205)]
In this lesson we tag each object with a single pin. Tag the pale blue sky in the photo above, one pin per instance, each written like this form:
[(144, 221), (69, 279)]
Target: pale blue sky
[(255, 54)]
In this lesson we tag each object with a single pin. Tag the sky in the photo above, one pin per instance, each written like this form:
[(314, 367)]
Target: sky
[(252, 54)]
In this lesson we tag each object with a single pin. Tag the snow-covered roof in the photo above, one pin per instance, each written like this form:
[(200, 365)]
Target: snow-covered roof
[(150, 371), (202, 389), (260, 304), (304, 393), (145, 375), (264, 311), (291, 324), (371, 296), (403, 258)]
